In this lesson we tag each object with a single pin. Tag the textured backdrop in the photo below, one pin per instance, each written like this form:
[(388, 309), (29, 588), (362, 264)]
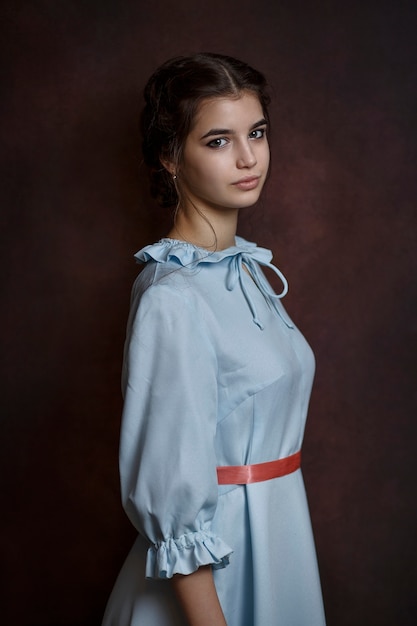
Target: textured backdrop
[(339, 213)]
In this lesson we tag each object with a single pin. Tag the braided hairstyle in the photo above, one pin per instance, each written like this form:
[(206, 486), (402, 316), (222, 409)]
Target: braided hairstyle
[(172, 96)]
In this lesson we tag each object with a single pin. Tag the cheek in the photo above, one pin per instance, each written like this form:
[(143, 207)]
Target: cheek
[(266, 155), (204, 173)]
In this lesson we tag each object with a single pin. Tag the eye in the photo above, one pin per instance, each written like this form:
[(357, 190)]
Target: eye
[(219, 142), (258, 133)]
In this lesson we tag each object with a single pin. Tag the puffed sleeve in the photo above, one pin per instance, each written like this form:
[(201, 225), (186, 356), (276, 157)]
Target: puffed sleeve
[(167, 458)]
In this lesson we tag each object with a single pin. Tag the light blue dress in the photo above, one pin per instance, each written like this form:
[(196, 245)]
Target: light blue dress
[(215, 373)]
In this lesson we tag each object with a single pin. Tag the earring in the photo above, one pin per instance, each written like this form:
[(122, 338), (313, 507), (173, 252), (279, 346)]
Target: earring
[(174, 177)]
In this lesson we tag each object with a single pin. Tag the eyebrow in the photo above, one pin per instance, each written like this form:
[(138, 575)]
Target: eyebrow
[(227, 131)]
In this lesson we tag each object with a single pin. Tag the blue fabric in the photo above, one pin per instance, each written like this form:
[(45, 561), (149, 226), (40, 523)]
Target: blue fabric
[(215, 373)]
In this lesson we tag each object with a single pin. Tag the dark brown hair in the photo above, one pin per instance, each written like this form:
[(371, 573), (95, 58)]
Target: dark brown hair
[(172, 96)]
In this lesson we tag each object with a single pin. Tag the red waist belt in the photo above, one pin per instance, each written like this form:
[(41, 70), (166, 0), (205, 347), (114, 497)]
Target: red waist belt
[(245, 474)]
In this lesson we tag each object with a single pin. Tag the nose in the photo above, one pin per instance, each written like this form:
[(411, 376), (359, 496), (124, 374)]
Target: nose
[(246, 156)]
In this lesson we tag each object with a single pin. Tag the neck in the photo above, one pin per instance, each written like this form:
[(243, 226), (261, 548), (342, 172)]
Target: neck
[(211, 230)]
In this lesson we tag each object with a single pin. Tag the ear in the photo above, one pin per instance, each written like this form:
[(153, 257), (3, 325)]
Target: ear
[(170, 166)]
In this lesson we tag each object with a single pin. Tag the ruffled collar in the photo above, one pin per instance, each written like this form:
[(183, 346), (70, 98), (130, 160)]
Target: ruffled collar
[(244, 254), (187, 254)]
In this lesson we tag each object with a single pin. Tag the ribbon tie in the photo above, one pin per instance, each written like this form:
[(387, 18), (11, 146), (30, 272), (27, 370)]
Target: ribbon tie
[(251, 260)]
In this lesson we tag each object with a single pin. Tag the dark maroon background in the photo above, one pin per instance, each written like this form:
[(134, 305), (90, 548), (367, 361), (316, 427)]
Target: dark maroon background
[(339, 214)]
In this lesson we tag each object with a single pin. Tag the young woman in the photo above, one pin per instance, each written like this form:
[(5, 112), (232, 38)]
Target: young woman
[(216, 378)]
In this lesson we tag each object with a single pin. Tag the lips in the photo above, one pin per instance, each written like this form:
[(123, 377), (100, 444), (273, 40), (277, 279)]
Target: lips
[(247, 183)]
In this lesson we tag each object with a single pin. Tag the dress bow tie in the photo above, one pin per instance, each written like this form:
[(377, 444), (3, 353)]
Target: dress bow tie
[(248, 262)]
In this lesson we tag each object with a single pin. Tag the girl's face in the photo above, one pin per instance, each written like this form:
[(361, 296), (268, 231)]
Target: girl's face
[(226, 155)]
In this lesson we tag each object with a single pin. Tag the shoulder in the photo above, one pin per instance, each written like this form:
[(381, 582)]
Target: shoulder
[(162, 293), (170, 270), (166, 311), (161, 281)]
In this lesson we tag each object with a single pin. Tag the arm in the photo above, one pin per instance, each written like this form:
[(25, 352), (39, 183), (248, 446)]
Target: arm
[(167, 447), (198, 598)]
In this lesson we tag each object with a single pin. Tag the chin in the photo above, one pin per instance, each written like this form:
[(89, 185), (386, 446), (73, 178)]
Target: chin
[(249, 201)]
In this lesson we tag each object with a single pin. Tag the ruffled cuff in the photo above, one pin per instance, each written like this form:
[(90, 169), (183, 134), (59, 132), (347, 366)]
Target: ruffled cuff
[(186, 554)]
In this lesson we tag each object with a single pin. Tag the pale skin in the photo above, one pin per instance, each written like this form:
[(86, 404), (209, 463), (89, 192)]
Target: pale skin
[(227, 144), (223, 169)]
